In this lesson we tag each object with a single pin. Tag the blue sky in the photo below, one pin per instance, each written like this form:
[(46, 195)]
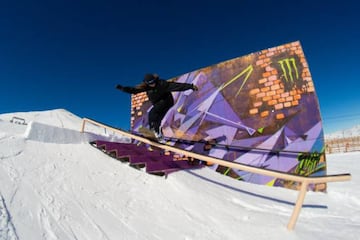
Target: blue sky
[(71, 54)]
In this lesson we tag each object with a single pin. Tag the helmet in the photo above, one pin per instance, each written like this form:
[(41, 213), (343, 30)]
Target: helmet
[(150, 78)]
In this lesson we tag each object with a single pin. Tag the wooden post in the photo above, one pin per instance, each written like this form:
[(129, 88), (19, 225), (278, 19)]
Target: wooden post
[(298, 205), (82, 126)]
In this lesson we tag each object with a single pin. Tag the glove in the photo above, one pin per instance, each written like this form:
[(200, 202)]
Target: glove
[(195, 88), (119, 87)]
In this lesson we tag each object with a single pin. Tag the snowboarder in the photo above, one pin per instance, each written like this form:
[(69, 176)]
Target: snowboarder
[(159, 94)]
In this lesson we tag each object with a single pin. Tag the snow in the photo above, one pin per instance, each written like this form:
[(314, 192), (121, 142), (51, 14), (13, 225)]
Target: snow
[(54, 185)]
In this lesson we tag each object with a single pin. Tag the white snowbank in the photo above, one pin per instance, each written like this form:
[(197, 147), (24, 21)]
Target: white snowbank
[(55, 187), (54, 126)]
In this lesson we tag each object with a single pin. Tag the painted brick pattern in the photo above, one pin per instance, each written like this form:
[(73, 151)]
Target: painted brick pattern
[(272, 95), (137, 101)]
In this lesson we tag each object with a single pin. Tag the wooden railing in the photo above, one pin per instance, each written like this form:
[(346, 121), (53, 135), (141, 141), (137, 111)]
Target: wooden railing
[(342, 144), (305, 181)]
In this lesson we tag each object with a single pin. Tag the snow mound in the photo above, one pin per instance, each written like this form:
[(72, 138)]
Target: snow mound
[(51, 190), (53, 126), (58, 118)]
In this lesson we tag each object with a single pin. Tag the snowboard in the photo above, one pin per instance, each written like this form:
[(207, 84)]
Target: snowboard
[(147, 133)]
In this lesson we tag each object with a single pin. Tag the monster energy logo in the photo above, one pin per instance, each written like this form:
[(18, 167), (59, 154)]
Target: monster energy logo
[(307, 163), (288, 66)]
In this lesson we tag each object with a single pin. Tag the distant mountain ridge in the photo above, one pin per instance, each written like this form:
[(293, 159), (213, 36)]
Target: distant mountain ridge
[(346, 133)]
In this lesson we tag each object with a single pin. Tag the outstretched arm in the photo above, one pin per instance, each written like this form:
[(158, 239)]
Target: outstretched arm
[(176, 87), (131, 90)]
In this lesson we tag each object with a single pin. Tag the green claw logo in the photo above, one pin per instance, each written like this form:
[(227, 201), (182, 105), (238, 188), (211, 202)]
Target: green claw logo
[(288, 66)]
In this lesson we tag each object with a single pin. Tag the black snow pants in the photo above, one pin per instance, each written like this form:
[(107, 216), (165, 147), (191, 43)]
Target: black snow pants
[(158, 112)]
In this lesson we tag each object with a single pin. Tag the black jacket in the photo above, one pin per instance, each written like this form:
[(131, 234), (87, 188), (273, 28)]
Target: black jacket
[(161, 91)]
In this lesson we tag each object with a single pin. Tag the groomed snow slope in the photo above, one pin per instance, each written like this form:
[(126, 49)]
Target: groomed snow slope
[(54, 185)]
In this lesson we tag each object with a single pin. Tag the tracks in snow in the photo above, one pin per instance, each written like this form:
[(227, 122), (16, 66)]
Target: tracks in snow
[(7, 229)]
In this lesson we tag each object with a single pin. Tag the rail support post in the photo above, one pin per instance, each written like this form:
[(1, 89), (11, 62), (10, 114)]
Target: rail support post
[(298, 205)]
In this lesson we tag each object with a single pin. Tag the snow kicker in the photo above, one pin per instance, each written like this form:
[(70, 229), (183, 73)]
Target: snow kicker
[(263, 107)]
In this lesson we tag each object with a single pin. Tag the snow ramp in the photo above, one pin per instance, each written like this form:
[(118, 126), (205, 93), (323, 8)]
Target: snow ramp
[(46, 133), (41, 132)]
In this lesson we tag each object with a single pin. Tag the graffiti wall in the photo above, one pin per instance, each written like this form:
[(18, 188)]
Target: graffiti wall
[(260, 109)]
